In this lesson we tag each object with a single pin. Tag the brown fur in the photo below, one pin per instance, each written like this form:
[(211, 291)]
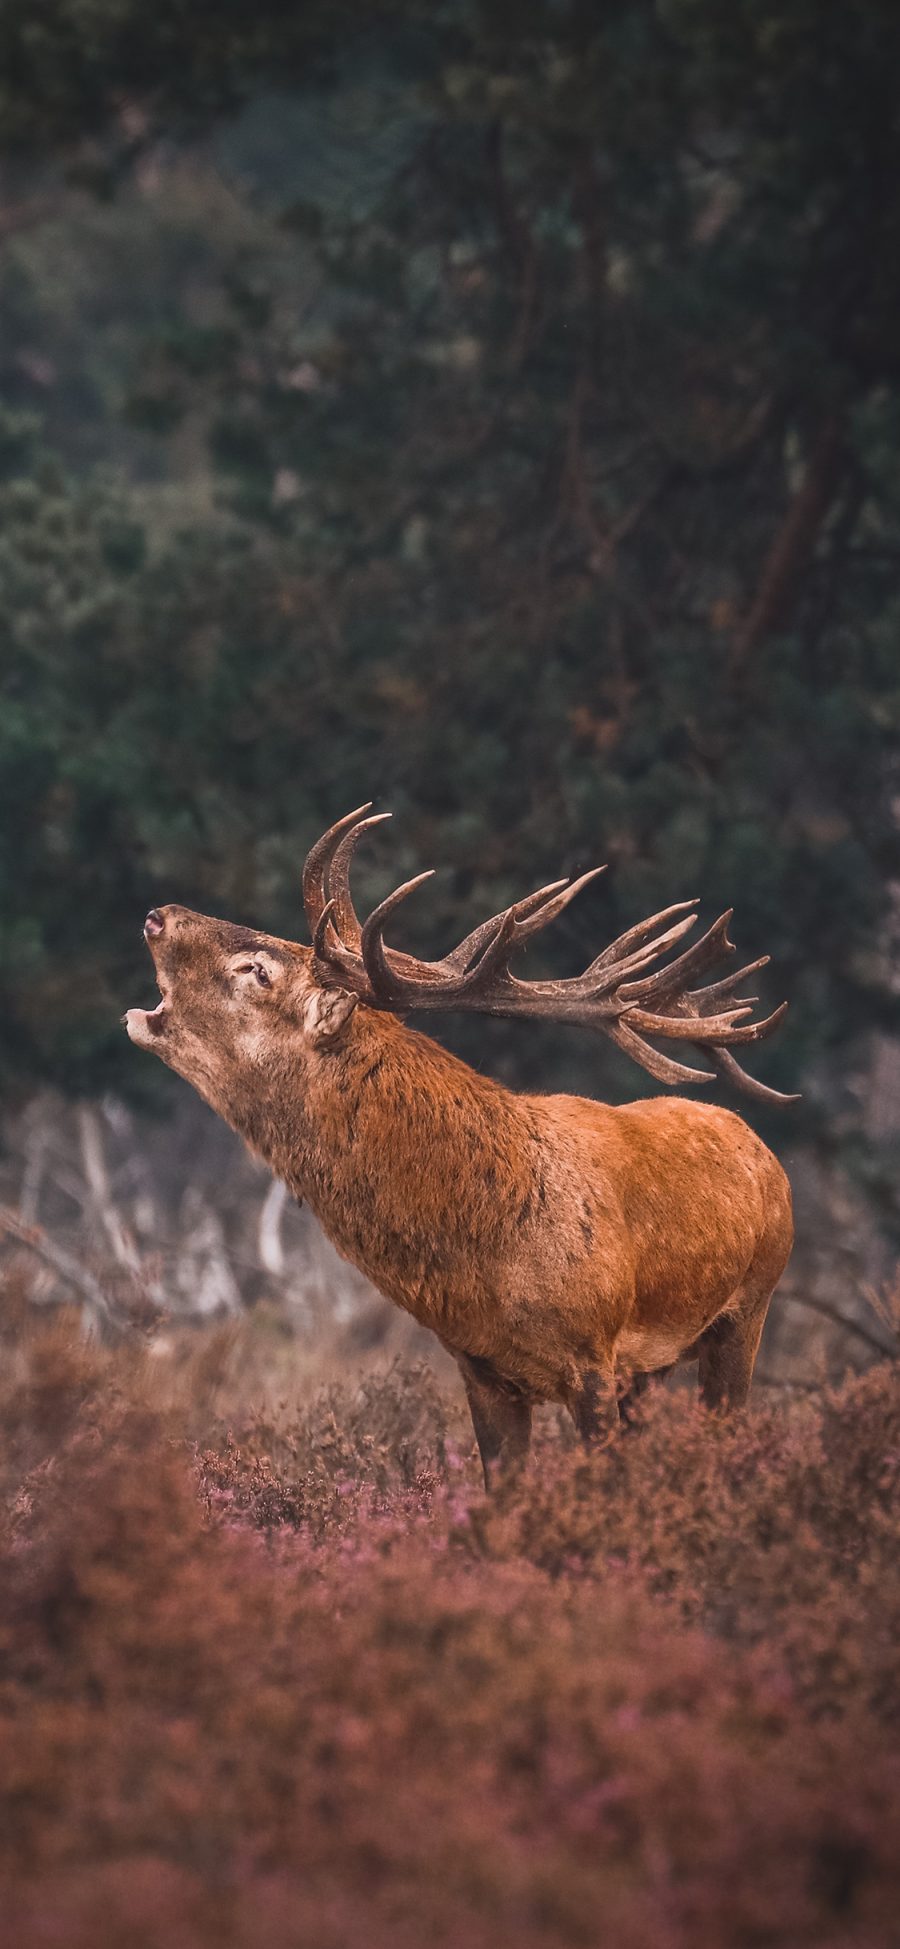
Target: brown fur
[(556, 1246)]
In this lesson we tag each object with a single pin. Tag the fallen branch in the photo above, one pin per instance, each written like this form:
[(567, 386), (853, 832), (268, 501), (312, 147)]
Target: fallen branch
[(63, 1263)]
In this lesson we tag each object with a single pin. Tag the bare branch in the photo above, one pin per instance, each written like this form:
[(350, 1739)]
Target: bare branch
[(271, 1248), (93, 1158), (844, 1321), (794, 543), (67, 1268)]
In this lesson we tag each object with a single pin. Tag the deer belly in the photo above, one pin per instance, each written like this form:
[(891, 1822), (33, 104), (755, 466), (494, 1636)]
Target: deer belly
[(642, 1349)]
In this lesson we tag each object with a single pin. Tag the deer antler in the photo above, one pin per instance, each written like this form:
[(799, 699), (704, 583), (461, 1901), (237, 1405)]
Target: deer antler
[(613, 994)]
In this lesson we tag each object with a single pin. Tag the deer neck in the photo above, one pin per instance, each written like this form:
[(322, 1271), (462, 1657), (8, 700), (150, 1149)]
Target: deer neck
[(414, 1164)]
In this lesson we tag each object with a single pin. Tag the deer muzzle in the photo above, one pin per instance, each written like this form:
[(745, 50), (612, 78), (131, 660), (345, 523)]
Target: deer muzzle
[(145, 1024)]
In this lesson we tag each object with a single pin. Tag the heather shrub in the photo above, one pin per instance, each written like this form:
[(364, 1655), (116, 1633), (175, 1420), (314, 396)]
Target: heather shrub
[(781, 1523), (289, 1678)]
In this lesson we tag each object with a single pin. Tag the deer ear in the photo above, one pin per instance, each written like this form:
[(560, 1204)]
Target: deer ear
[(326, 1016)]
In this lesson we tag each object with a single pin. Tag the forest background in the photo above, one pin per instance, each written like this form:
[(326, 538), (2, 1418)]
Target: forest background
[(490, 410)]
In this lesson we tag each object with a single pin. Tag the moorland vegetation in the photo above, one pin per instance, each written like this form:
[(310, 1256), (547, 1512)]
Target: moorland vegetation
[(274, 1669)]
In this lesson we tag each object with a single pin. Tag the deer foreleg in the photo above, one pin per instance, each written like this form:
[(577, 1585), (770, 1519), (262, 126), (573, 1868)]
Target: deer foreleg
[(501, 1417), (593, 1406)]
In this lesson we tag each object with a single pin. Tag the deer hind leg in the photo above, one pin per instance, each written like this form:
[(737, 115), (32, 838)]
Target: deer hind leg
[(728, 1349), (501, 1418)]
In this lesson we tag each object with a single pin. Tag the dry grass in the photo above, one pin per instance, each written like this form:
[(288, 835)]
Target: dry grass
[(280, 1676)]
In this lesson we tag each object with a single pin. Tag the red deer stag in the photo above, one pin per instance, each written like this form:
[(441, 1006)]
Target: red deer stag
[(560, 1249)]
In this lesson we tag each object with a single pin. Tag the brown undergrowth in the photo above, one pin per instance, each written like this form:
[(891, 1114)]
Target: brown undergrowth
[(282, 1677)]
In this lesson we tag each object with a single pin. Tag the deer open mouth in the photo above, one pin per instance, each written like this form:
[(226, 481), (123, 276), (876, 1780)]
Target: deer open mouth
[(144, 1022), (155, 1017)]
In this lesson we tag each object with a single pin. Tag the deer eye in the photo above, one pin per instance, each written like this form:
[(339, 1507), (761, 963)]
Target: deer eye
[(255, 968)]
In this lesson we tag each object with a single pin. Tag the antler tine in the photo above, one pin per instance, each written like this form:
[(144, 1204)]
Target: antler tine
[(706, 1028), (528, 916), (731, 1072), (322, 948), (601, 981), (670, 980), (634, 936), (531, 901), (531, 914), (461, 957), (717, 991), (491, 962), (554, 901), (332, 955), (756, 1031), (317, 861), (693, 1018), (589, 989), (664, 1068), (338, 880), (387, 985)]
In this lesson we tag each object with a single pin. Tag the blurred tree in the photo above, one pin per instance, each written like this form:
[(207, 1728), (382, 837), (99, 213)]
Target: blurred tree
[(555, 497)]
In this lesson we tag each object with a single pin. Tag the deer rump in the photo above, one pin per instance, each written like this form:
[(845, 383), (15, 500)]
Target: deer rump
[(560, 1248)]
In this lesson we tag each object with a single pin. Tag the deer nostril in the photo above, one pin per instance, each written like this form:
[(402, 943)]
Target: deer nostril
[(154, 923)]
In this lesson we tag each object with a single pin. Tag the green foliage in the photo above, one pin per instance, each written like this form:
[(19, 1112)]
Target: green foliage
[(482, 463), (74, 68)]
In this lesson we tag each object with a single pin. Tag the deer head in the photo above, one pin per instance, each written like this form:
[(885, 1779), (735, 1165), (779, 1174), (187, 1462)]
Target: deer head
[(235, 1001)]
